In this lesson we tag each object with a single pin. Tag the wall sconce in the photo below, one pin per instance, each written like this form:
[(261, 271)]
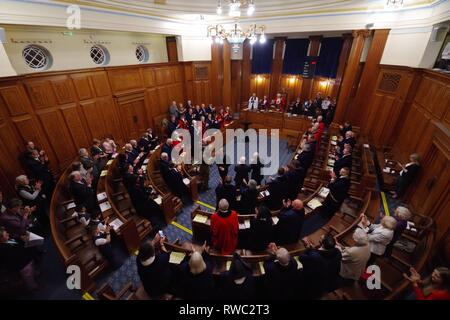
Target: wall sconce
[(324, 83), (259, 78), (292, 79)]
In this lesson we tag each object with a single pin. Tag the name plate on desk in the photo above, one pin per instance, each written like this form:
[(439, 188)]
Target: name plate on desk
[(104, 206), (176, 257), (102, 196)]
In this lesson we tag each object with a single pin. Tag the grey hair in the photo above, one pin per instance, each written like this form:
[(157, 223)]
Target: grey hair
[(242, 160), (82, 152), (360, 237), (252, 184), (164, 155), (306, 147), (403, 213), (73, 174), (283, 256), (20, 180), (223, 205), (169, 141), (389, 222)]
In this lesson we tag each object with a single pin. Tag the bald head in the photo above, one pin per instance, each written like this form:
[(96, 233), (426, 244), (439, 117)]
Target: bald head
[(297, 204), (223, 205)]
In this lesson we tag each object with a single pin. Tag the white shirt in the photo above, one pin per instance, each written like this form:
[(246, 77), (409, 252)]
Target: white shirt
[(253, 102)]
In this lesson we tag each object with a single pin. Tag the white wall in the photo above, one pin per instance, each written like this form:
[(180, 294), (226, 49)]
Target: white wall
[(433, 47), (6, 69), (73, 52), (406, 47), (193, 48)]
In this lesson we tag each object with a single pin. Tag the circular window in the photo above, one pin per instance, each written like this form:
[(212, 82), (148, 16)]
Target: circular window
[(99, 55), (142, 54), (37, 57)]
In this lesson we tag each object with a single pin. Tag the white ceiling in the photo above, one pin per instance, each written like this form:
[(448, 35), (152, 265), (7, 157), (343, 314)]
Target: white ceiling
[(186, 10)]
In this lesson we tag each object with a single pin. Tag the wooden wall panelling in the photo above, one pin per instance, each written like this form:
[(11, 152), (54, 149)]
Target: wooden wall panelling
[(94, 118), (350, 74), (322, 85), (260, 84), (277, 66), (126, 79), (73, 122), (292, 86), (236, 83), (132, 107), (345, 52), (246, 71), (357, 109), (226, 83), (216, 73)]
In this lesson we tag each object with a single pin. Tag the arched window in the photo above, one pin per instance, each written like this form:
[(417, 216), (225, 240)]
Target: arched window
[(99, 55), (37, 57), (142, 54)]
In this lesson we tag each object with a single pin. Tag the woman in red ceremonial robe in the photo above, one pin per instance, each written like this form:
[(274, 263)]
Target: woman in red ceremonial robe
[(182, 123), (280, 102), (318, 131)]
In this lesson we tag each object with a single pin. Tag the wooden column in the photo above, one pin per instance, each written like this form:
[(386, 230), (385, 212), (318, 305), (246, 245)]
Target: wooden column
[(345, 52), (172, 53), (277, 67), (216, 73), (246, 71), (307, 84), (226, 86), (350, 75), (357, 111)]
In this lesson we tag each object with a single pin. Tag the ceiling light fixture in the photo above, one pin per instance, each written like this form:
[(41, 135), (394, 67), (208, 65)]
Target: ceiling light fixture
[(235, 7), (237, 35)]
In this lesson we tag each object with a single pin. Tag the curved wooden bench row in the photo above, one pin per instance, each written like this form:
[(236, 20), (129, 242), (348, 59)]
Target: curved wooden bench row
[(73, 242)]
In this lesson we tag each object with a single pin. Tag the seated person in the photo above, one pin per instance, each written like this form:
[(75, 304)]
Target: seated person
[(401, 215), (144, 143), (261, 230), (224, 229), (264, 104), (435, 287), (238, 283), (174, 180), (227, 191), (154, 269), (196, 278), (354, 258), (249, 198), (289, 226), (343, 162), (164, 164), (253, 102), (167, 148), (15, 258), (172, 125), (281, 275), (349, 138)]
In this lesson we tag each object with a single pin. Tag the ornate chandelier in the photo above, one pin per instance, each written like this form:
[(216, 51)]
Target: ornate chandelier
[(235, 7), (236, 36), (394, 4)]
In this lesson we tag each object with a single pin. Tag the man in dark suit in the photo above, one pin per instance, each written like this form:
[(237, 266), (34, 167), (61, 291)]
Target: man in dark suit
[(40, 170), (175, 182), (82, 192), (339, 187), (295, 177), (242, 173), (249, 198), (164, 165), (167, 148), (144, 143), (277, 188), (153, 138), (346, 127), (223, 167), (322, 266), (225, 190), (343, 162), (281, 275), (289, 226), (305, 157)]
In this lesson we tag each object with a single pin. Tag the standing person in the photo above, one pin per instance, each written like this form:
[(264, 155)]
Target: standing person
[(223, 167), (249, 198), (32, 196), (261, 230), (242, 172), (339, 187), (256, 167), (290, 223), (407, 175), (38, 165), (226, 190), (154, 269), (253, 102), (238, 283), (380, 235), (224, 229)]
